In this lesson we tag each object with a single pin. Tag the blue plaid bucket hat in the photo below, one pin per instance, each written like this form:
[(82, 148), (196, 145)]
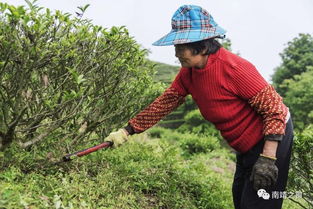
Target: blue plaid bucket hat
[(191, 23)]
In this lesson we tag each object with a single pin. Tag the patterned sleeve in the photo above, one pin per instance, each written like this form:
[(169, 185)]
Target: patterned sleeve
[(270, 105), (158, 109)]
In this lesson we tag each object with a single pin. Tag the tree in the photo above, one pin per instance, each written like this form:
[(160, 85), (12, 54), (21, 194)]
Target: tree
[(61, 77), (296, 59), (299, 98)]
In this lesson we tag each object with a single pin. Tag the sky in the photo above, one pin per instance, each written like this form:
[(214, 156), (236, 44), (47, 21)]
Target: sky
[(258, 30)]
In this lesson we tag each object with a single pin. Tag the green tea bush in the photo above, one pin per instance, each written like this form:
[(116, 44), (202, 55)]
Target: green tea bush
[(193, 144), (190, 143), (195, 123), (65, 79), (165, 133), (140, 174), (301, 170)]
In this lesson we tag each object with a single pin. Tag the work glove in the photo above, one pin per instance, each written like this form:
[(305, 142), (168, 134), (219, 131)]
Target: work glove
[(264, 172), (117, 137)]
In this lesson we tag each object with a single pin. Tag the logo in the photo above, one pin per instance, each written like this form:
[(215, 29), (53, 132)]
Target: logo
[(278, 194), (262, 193)]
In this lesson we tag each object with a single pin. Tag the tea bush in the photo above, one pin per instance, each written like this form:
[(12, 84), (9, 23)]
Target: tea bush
[(301, 169), (190, 143), (139, 174), (65, 79)]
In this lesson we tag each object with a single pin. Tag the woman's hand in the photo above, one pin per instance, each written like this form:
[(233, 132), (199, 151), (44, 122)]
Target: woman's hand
[(118, 137), (264, 172)]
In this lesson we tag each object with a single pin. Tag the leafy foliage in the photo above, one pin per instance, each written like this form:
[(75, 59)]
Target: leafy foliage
[(296, 58), (301, 172), (299, 98), (195, 123), (63, 77), (191, 143), (140, 174), (165, 73)]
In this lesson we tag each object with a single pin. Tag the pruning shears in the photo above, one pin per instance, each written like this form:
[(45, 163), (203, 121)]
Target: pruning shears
[(87, 151)]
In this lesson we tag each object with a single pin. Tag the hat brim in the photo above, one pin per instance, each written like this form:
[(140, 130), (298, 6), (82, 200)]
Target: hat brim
[(188, 36)]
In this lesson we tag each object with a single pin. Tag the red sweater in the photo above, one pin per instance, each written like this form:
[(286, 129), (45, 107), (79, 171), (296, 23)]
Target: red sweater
[(230, 93)]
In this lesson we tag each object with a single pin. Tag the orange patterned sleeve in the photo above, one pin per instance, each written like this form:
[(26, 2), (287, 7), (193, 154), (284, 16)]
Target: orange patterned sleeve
[(162, 106), (269, 104)]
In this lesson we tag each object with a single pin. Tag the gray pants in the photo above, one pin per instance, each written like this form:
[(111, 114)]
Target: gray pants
[(244, 196)]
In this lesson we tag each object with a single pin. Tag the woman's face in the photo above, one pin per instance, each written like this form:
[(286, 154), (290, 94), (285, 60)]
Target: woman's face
[(188, 60)]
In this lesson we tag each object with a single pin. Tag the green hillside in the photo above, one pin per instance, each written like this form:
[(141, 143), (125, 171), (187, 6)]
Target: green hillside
[(165, 72)]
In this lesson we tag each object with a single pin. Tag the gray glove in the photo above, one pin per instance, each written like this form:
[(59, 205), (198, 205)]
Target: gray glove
[(264, 173)]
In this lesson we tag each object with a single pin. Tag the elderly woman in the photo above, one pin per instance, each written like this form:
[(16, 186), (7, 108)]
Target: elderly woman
[(231, 94)]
